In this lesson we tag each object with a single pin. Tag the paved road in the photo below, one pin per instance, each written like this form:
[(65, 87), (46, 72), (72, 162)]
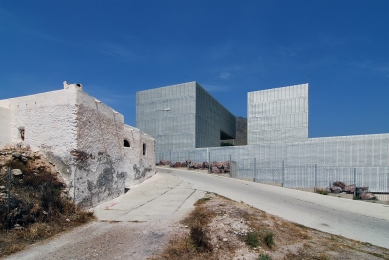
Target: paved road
[(363, 221)]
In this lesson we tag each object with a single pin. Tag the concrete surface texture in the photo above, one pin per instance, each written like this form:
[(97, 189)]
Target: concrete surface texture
[(80, 135), (363, 221)]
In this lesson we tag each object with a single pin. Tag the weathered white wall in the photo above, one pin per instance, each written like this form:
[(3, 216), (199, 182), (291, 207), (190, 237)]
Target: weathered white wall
[(82, 137), (142, 166), (101, 169), (5, 126)]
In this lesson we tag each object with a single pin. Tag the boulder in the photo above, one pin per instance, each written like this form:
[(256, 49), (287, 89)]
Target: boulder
[(367, 196), (339, 184), (349, 188), (226, 169), (214, 169), (219, 165), (192, 165), (197, 165), (167, 162), (328, 189), (336, 189), (161, 162), (226, 164), (361, 190), (177, 165), (205, 165), (183, 164)]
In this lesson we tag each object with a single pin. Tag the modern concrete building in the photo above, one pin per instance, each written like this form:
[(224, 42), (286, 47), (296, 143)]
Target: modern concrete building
[(183, 117), (278, 115), (95, 153)]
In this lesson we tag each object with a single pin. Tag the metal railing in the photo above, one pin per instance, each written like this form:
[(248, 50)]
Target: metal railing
[(301, 176)]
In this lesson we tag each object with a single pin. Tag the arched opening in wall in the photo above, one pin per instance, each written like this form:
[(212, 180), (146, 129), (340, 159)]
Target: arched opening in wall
[(126, 143), (21, 132), (144, 149)]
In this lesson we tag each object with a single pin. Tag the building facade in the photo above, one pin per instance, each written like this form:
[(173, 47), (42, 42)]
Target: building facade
[(183, 117), (86, 140), (278, 115)]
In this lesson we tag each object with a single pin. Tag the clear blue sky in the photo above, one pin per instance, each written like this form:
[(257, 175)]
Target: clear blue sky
[(116, 48)]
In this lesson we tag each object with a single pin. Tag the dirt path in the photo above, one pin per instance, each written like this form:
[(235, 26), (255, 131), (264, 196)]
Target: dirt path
[(106, 240)]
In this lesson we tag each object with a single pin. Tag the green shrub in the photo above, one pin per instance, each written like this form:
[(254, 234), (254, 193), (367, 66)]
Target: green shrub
[(269, 239), (252, 239), (264, 257)]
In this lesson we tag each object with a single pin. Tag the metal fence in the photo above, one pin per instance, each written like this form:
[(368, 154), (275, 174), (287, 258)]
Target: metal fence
[(301, 176)]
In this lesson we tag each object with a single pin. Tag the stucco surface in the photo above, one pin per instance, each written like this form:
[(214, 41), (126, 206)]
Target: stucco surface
[(83, 138), (5, 126), (142, 166)]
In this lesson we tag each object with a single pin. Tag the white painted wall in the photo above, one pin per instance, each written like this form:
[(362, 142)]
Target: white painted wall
[(5, 126), (83, 137), (142, 166)]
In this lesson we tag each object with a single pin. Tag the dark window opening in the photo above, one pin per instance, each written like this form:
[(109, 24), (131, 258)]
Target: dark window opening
[(126, 143), (144, 149), (21, 132)]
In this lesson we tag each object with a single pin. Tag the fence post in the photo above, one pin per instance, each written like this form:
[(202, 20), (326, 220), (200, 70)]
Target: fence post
[(9, 195), (315, 189), (355, 182), (170, 163), (230, 164), (283, 174), (209, 162), (255, 168)]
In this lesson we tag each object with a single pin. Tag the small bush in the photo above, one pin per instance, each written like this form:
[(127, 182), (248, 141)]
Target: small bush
[(269, 241), (252, 239), (322, 191), (199, 238), (264, 257), (355, 198)]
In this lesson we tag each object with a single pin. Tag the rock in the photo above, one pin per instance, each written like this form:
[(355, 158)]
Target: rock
[(177, 165), (367, 196), (328, 189), (226, 164), (16, 155), (339, 184), (161, 162), (192, 165), (225, 239), (197, 165), (214, 169), (183, 164), (361, 190), (336, 189), (16, 172), (2, 187), (349, 188), (67, 220), (226, 169), (205, 165), (219, 165)]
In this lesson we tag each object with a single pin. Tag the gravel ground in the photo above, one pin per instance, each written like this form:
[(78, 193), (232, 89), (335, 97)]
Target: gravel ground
[(107, 240)]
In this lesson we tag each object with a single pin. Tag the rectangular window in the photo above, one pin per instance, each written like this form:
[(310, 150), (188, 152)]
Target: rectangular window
[(144, 149)]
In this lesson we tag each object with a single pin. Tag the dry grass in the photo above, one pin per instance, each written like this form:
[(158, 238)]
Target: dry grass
[(235, 230), (37, 205)]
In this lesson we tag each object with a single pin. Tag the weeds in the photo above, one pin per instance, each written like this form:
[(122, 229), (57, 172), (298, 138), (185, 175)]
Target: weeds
[(355, 198), (269, 241), (322, 191), (264, 257), (252, 239)]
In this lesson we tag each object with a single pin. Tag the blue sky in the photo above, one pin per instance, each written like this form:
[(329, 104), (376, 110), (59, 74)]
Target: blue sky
[(116, 48)]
